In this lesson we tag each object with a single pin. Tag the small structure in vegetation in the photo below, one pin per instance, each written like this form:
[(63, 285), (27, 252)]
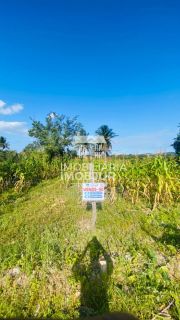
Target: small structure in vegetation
[(94, 146)]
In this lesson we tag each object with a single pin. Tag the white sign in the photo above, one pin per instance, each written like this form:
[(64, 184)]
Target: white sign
[(93, 192)]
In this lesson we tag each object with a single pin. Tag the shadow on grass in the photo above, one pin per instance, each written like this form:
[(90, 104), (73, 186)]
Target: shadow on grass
[(93, 269), (170, 236)]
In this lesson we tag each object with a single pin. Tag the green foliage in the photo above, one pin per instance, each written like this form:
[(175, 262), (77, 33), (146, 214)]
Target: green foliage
[(47, 253), (176, 144), (32, 147), (8, 165), (151, 180), (3, 143), (108, 135), (56, 135), (20, 171)]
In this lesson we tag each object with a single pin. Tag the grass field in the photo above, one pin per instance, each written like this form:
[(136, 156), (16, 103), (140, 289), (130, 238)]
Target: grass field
[(49, 256)]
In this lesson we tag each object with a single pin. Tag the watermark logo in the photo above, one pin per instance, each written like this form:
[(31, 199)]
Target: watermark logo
[(80, 172), (90, 145)]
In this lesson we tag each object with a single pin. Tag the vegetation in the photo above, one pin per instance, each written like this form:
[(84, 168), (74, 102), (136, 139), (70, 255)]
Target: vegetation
[(48, 250), (176, 144), (54, 265), (153, 180), (108, 135), (32, 147), (3, 143), (56, 135)]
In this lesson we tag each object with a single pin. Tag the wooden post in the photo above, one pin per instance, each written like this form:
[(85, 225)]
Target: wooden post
[(94, 214)]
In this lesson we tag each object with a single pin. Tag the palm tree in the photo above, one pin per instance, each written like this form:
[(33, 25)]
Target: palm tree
[(108, 135), (3, 143)]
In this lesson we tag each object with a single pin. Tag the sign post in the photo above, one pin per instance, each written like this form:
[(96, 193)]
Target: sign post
[(94, 214), (93, 192)]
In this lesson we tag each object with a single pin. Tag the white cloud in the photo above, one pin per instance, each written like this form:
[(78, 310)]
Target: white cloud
[(2, 104), (14, 127), (8, 110)]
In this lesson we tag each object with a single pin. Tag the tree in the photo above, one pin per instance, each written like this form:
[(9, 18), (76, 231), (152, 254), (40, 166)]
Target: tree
[(3, 143), (32, 147), (108, 135), (176, 144), (56, 135)]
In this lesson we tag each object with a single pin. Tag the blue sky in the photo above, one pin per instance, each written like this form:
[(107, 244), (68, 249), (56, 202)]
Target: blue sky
[(109, 61)]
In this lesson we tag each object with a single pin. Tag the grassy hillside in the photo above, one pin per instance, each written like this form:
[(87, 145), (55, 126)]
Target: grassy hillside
[(49, 256)]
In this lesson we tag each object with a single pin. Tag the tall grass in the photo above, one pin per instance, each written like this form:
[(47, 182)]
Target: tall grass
[(154, 180)]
